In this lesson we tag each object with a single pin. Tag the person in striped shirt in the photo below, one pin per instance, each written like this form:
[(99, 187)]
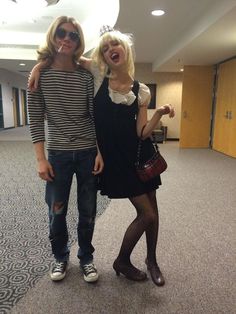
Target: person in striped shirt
[(65, 98)]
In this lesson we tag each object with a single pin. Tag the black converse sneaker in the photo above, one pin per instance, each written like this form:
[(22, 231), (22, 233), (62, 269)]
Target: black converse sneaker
[(90, 272), (58, 271)]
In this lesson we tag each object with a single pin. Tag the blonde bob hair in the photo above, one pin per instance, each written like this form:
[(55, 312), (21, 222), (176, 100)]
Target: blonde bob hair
[(127, 44), (49, 50)]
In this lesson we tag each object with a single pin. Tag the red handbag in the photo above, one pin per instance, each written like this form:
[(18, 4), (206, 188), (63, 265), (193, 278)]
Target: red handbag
[(151, 168)]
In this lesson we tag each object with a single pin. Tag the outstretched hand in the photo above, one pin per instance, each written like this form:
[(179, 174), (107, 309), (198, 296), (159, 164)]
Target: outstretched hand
[(167, 109)]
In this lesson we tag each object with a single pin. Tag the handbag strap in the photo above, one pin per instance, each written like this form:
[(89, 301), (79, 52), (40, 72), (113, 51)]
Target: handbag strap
[(141, 135), (140, 146)]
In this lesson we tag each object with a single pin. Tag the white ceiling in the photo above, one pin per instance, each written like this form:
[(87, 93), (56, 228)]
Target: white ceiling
[(23, 30), (192, 32)]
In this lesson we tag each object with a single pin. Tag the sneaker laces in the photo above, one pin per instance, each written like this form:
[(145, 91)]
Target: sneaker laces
[(59, 266), (89, 268)]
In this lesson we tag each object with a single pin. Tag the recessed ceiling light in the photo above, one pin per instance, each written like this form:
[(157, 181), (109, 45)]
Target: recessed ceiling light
[(158, 12), (182, 70), (22, 64)]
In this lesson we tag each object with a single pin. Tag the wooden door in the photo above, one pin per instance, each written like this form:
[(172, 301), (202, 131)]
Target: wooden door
[(1, 110), (24, 107), (196, 106), (16, 109), (224, 139)]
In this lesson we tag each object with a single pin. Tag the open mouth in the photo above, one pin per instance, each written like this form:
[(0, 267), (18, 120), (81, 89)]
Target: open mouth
[(115, 57)]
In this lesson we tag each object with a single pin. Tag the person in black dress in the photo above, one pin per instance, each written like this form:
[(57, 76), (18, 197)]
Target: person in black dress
[(120, 111)]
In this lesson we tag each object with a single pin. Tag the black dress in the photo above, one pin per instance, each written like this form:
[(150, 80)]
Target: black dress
[(117, 139)]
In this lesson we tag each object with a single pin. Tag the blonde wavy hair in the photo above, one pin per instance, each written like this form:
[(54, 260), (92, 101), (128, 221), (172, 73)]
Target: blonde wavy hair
[(126, 42), (48, 51)]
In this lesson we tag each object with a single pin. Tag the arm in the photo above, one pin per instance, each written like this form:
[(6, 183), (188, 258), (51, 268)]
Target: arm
[(144, 97), (151, 125), (36, 110), (99, 164), (33, 80), (85, 63), (45, 170), (142, 116)]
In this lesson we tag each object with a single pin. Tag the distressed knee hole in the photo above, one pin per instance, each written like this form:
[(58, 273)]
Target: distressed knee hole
[(58, 207)]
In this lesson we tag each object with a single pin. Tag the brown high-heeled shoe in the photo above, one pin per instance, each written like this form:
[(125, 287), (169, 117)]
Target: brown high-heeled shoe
[(155, 273), (129, 271)]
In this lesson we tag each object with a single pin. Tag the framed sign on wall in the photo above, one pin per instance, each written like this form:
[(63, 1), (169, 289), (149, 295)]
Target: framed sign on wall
[(153, 88)]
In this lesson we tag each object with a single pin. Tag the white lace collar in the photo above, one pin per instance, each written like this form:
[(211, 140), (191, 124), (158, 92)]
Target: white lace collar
[(118, 98)]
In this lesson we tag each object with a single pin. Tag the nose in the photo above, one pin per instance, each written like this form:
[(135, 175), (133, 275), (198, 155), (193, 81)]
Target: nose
[(67, 37), (110, 47)]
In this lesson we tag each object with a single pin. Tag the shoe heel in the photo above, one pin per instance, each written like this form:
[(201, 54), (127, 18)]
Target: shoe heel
[(115, 269), (129, 271), (117, 273)]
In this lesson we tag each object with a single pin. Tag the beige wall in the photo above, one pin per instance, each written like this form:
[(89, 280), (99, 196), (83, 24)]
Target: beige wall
[(169, 90), (8, 80)]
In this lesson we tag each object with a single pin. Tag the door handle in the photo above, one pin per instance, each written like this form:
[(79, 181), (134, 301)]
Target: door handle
[(230, 115), (227, 115), (185, 114)]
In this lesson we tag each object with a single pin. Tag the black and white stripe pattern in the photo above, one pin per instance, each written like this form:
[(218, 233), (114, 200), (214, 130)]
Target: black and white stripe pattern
[(65, 99)]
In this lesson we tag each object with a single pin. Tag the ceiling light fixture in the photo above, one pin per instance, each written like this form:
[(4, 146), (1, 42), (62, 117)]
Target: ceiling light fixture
[(158, 12), (39, 3), (28, 3), (18, 11)]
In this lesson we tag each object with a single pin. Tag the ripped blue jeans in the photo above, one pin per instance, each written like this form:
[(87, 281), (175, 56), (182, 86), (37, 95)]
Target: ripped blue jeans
[(65, 164)]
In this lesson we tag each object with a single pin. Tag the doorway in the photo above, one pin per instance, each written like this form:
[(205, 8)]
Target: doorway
[(1, 110), (16, 108), (24, 107)]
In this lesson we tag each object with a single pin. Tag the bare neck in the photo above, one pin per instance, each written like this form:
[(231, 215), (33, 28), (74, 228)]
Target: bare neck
[(121, 82), (65, 63), (120, 76)]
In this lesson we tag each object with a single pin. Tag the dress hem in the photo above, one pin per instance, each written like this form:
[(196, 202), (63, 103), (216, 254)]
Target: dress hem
[(127, 196)]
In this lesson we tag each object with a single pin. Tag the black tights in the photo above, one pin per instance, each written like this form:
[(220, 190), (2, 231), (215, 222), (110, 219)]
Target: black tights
[(147, 221)]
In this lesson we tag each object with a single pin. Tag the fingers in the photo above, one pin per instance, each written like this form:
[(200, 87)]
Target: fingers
[(33, 81), (168, 109), (97, 170), (172, 112), (45, 171), (98, 167), (51, 173), (45, 176), (36, 83)]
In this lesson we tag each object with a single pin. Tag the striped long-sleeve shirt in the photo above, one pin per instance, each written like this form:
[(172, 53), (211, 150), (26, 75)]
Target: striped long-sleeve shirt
[(65, 99)]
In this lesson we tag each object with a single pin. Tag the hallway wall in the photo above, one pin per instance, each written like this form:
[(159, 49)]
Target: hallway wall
[(169, 90), (7, 81)]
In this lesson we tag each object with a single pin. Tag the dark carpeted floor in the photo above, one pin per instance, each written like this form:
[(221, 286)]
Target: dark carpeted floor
[(25, 254), (196, 247)]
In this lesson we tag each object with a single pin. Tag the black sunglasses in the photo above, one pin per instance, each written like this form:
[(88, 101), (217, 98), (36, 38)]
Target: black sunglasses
[(62, 33)]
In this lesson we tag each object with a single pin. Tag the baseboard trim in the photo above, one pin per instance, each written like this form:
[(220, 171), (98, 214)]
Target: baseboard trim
[(172, 139), (10, 127)]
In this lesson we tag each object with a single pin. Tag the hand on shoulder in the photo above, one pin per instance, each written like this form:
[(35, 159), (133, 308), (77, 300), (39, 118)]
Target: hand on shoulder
[(33, 80)]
